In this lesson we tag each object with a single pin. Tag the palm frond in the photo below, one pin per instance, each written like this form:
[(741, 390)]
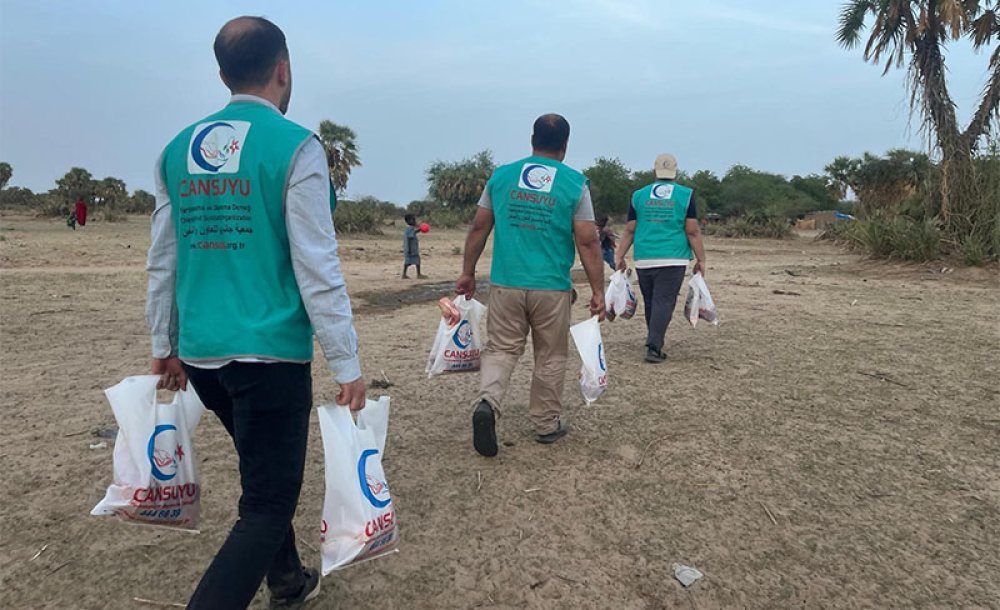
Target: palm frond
[(891, 34), (852, 22), (984, 28)]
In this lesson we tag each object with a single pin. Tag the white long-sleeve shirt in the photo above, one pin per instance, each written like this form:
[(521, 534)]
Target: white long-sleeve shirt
[(313, 245)]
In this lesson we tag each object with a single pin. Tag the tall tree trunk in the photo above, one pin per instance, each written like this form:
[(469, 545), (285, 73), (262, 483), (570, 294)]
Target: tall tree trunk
[(959, 184), (939, 109)]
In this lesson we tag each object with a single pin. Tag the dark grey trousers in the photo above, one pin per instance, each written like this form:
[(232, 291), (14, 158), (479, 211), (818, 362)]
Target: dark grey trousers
[(660, 287)]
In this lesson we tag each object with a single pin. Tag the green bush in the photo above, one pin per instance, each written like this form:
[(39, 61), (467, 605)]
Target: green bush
[(974, 251), (901, 237), (872, 235), (915, 240), (449, 218), (358, 217), (714, 230), (838, 232), (113, 213), (754, 225), (776, 228), (994, 239), (15, 197), (53, 205), (986, 227), (741, 227), (141, 202)]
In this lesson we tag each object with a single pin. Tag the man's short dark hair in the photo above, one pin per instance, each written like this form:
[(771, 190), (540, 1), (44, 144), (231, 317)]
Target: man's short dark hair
[(550, 134), (248, 49)]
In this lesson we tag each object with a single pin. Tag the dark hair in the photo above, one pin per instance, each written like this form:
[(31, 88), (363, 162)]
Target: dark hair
[(602, 221), (410, 219), (550, 133), (248, 49)]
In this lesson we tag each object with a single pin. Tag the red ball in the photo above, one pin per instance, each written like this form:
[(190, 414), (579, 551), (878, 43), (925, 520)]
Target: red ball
[(424, 227)]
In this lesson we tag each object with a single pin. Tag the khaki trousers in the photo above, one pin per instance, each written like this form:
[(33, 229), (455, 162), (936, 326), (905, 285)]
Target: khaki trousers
[(512, 313)]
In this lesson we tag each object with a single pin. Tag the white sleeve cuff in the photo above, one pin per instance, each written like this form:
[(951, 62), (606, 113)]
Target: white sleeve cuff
[(346, 371)]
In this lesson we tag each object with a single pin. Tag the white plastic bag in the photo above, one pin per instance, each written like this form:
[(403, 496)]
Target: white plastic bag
[(619, 298), (155, 468), (594, 371), (359, 519), (457, 347), (699, 303)]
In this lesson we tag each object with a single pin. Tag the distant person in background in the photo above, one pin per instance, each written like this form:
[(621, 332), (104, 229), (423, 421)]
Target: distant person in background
[(607, 237), (663, 223), (80, 212), (411, 247)]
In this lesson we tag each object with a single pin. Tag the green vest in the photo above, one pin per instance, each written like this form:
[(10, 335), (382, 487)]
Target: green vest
[(660, 214), (534, 202), (236, 292)]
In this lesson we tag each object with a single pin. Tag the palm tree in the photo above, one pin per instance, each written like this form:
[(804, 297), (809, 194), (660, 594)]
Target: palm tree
[(341, 152), (77, 183), (880, 183), (842, 176), (6, 172), (111, 194), (920, 30), (460, 184)]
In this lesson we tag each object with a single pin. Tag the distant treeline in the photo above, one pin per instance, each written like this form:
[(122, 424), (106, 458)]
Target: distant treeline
[(108, 197)]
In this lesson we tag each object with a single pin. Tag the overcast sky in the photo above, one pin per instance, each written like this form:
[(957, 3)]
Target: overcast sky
[(105, 85)]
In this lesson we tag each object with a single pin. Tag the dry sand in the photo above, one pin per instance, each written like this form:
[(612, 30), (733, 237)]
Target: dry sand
[(862, 414)]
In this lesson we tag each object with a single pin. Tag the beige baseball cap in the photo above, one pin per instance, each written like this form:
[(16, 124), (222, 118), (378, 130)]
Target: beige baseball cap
[(665, 167)]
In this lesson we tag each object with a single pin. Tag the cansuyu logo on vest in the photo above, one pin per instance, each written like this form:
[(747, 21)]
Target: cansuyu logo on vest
[(164, 452), (462, 337), (537, 177), (662, 191), (216, 147), (374, 489)]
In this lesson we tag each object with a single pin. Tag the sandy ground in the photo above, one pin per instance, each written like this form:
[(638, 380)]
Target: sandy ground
[(834, 448)]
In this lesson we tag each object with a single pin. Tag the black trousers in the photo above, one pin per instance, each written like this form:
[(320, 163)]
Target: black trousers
[(659, 287), (265, 408)]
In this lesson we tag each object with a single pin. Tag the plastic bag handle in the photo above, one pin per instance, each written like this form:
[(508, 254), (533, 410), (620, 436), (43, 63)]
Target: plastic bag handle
[(149, 392)]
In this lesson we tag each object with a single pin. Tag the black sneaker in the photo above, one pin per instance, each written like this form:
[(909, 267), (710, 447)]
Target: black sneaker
[(310, 590), (551, 437), (654, 355), (484, 431)]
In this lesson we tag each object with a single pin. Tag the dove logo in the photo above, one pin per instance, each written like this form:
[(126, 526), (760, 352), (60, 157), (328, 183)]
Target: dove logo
[(216, 147), (537, 177), (374, 489), (662, 191), (165, 453), (463, 335)]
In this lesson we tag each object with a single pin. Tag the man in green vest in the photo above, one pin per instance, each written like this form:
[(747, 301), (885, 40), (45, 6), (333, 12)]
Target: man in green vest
[(542, 214), (663, 223), (243, 271)]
